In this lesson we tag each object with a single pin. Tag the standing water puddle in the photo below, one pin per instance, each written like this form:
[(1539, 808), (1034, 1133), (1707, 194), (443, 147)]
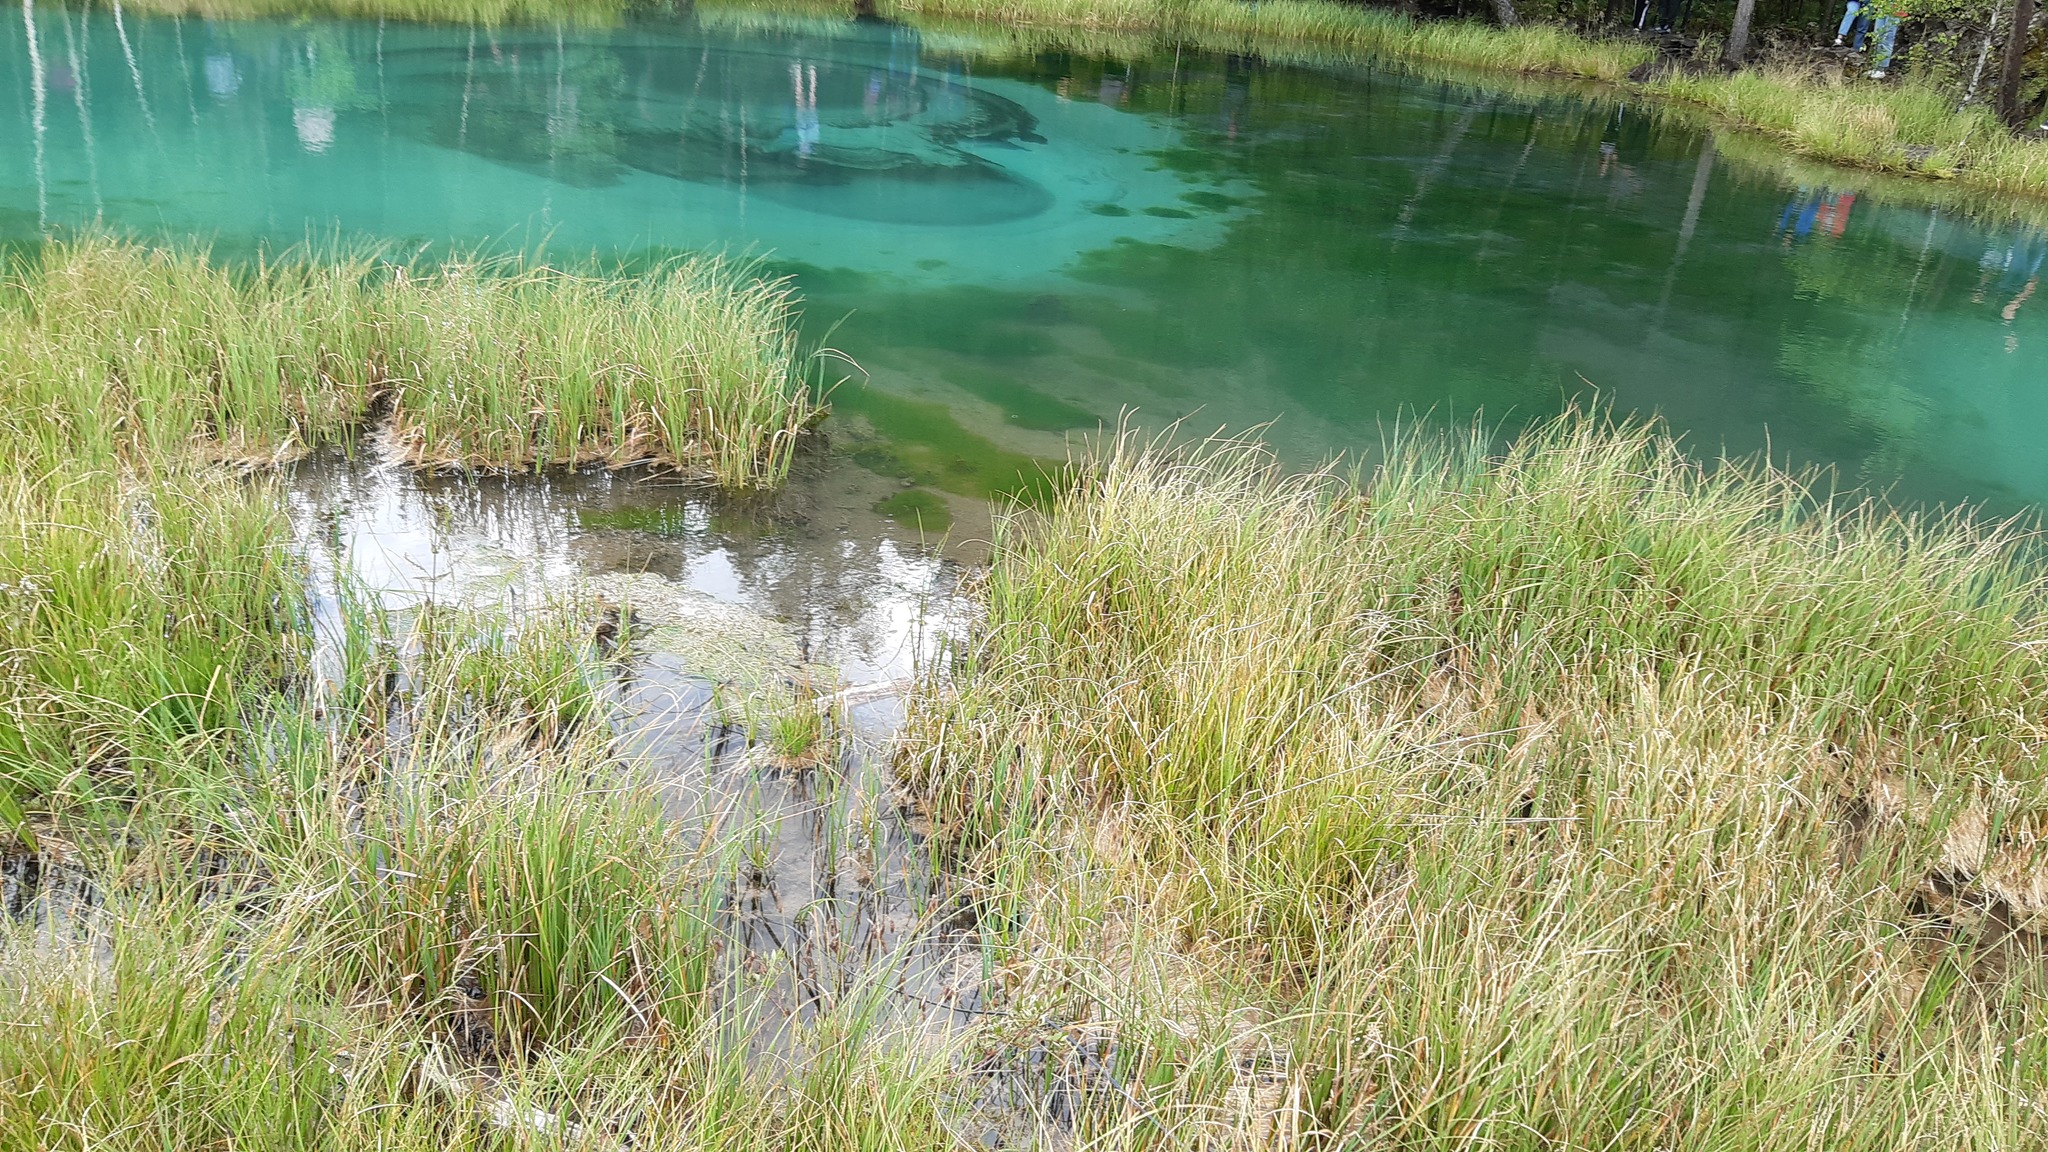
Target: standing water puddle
[(728, 596)]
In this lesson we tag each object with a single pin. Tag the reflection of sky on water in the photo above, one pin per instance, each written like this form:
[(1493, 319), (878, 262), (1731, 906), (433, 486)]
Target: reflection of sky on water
[(858, 150), (864, 600), (864, 603)]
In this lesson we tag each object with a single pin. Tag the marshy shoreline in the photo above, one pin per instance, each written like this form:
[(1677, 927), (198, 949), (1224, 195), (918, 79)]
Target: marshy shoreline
[(291, 865), (1569, 790), (1562, 790)]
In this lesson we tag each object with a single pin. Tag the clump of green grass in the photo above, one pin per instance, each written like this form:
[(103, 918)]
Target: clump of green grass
[(111, 353), (1906, 127), (1575, 794), (136, 616), (182, 1027), (689, 366), (523, 908), (541, 675), (495, 864), (173, 1038), (488, 363)]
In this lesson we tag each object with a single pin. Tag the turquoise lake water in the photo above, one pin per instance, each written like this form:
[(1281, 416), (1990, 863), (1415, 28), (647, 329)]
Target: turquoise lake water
[(1018, 246)]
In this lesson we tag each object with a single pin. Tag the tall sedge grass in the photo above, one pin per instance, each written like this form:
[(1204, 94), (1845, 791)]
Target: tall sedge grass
[(548, 903), (400, 915), (166, 1043), (500, 866), (112, 347), (1571, 795), (136, 615), (688, 366)]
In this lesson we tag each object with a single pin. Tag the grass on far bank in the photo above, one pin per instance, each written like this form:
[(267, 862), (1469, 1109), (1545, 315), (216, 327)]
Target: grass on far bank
[(1349, 30), (1572, 796), (1900, 127)]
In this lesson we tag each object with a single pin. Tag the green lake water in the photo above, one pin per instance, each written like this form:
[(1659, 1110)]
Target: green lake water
[(1018, 247)]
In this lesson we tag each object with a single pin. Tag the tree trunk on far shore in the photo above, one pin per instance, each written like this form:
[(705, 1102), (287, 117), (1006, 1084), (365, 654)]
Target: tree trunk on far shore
[(2015, 60), (1505, 10), (1738, 33)]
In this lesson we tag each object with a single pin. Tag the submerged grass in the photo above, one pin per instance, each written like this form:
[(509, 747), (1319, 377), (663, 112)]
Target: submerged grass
[(1576, 795)]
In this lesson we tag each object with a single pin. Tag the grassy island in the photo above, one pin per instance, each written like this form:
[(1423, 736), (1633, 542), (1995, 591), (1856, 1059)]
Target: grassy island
[(690, 367)]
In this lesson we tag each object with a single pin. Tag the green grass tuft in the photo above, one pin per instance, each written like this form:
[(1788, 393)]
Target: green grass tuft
[(122, 352)]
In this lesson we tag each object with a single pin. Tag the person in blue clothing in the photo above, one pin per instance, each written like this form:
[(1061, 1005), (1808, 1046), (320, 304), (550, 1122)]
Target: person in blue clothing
[(1889, 14), (1856, 20), (2016, 270), (1797, 222)]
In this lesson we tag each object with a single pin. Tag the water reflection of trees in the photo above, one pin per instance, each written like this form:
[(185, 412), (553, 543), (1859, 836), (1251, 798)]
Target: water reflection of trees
[(1473, 250), (547, 108), (1857, 357)]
